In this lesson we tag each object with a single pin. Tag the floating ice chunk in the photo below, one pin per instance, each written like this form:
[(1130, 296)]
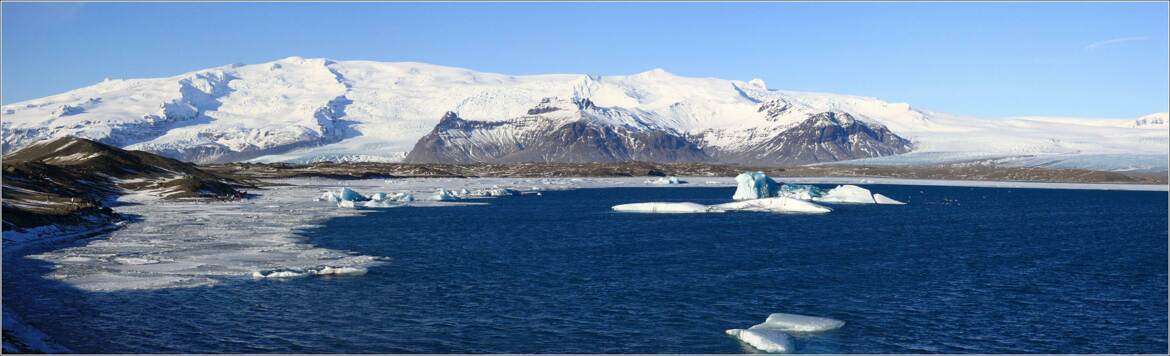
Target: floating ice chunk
[(346, 204), (776, 205), (443, 195), (754, 185), (663, 208), (665, 181), (329, 197), (464, 192), (847, 194), (882, 199), (499, 192), (381, 204), (312, 271), (798, 323), (801, 191), (347, 194), (378, 197), (403, 197), (763, 339)]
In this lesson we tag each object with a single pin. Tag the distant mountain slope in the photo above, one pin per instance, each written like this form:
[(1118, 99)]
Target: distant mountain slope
[(306, 110)]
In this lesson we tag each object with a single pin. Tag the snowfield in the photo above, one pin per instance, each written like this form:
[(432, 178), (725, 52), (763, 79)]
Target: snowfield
[(305, 110)]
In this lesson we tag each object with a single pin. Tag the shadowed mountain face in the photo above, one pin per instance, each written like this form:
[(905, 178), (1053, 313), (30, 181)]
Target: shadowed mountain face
[(64, 180), (824, 137), (584, 133), (554, 131)]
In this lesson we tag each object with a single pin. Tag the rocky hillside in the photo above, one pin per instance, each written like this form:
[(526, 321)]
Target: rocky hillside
[(70, 181)]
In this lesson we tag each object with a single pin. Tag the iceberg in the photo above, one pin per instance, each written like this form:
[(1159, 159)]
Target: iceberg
[(775, 205), (663, 208), (381, 204), (402, 197), (763, 339), (850, 194), (801, 191), (799, 323), (346, 194), (443, 195), (346, 204), (754, 185), (378, 197), (499, 192), (882, 199)]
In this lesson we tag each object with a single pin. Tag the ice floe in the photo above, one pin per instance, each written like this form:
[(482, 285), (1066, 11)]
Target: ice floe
[(801, 191), (754, 185), (773, 334), (312, 271), (850, 194), (763, 339), (657, 207), (775, 205), (665, 181), (799, 323)]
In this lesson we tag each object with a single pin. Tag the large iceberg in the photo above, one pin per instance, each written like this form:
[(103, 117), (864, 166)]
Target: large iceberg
[(663, 208), (754, 185), (775, 205), (444, 195), (763, 339)]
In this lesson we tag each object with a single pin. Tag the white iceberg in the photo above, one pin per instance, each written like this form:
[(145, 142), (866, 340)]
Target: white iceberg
[(665, 181), (378, 197), (444, 195), (402, 197), (381, 204), (882, 199), (346, 204), (763, 339), (498, 192), (775, 205), (801, 191), (850, 194), (663, 208), (799, 323), (754, 185)]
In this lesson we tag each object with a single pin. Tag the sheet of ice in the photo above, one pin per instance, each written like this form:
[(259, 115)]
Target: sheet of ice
[(192, 243), (774, 205), (763, 339), (657, 207), (850, 194), (754, 185), (882, 199), (799, 323)]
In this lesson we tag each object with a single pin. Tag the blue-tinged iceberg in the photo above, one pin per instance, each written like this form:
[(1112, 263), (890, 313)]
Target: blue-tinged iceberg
[(755, 185)]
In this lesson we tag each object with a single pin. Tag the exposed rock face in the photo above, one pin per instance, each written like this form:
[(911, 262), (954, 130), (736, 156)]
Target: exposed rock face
[(554, 131), (581, 132), (824, 137)]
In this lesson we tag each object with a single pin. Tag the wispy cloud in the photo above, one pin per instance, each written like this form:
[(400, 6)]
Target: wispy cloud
[(1113, 41)]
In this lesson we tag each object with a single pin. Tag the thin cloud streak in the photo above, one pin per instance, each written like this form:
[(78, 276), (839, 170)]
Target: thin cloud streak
[(1100, 44)]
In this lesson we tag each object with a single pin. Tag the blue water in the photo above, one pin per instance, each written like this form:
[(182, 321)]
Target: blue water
[(958, 270)]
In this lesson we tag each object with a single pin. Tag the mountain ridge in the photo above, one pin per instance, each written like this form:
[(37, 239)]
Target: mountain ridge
[(307, 110)]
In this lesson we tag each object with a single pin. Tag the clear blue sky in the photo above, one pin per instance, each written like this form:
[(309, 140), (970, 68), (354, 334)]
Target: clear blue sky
[(992, 59)]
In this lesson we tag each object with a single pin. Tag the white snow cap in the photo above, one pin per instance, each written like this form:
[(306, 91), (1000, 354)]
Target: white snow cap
[(758, 83)]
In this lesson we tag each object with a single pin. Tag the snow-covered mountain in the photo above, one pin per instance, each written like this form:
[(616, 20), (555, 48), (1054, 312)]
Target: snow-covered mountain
[(304, 110)]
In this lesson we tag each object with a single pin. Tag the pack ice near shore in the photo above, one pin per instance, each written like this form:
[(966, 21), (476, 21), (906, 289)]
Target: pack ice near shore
[(306, 110)]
